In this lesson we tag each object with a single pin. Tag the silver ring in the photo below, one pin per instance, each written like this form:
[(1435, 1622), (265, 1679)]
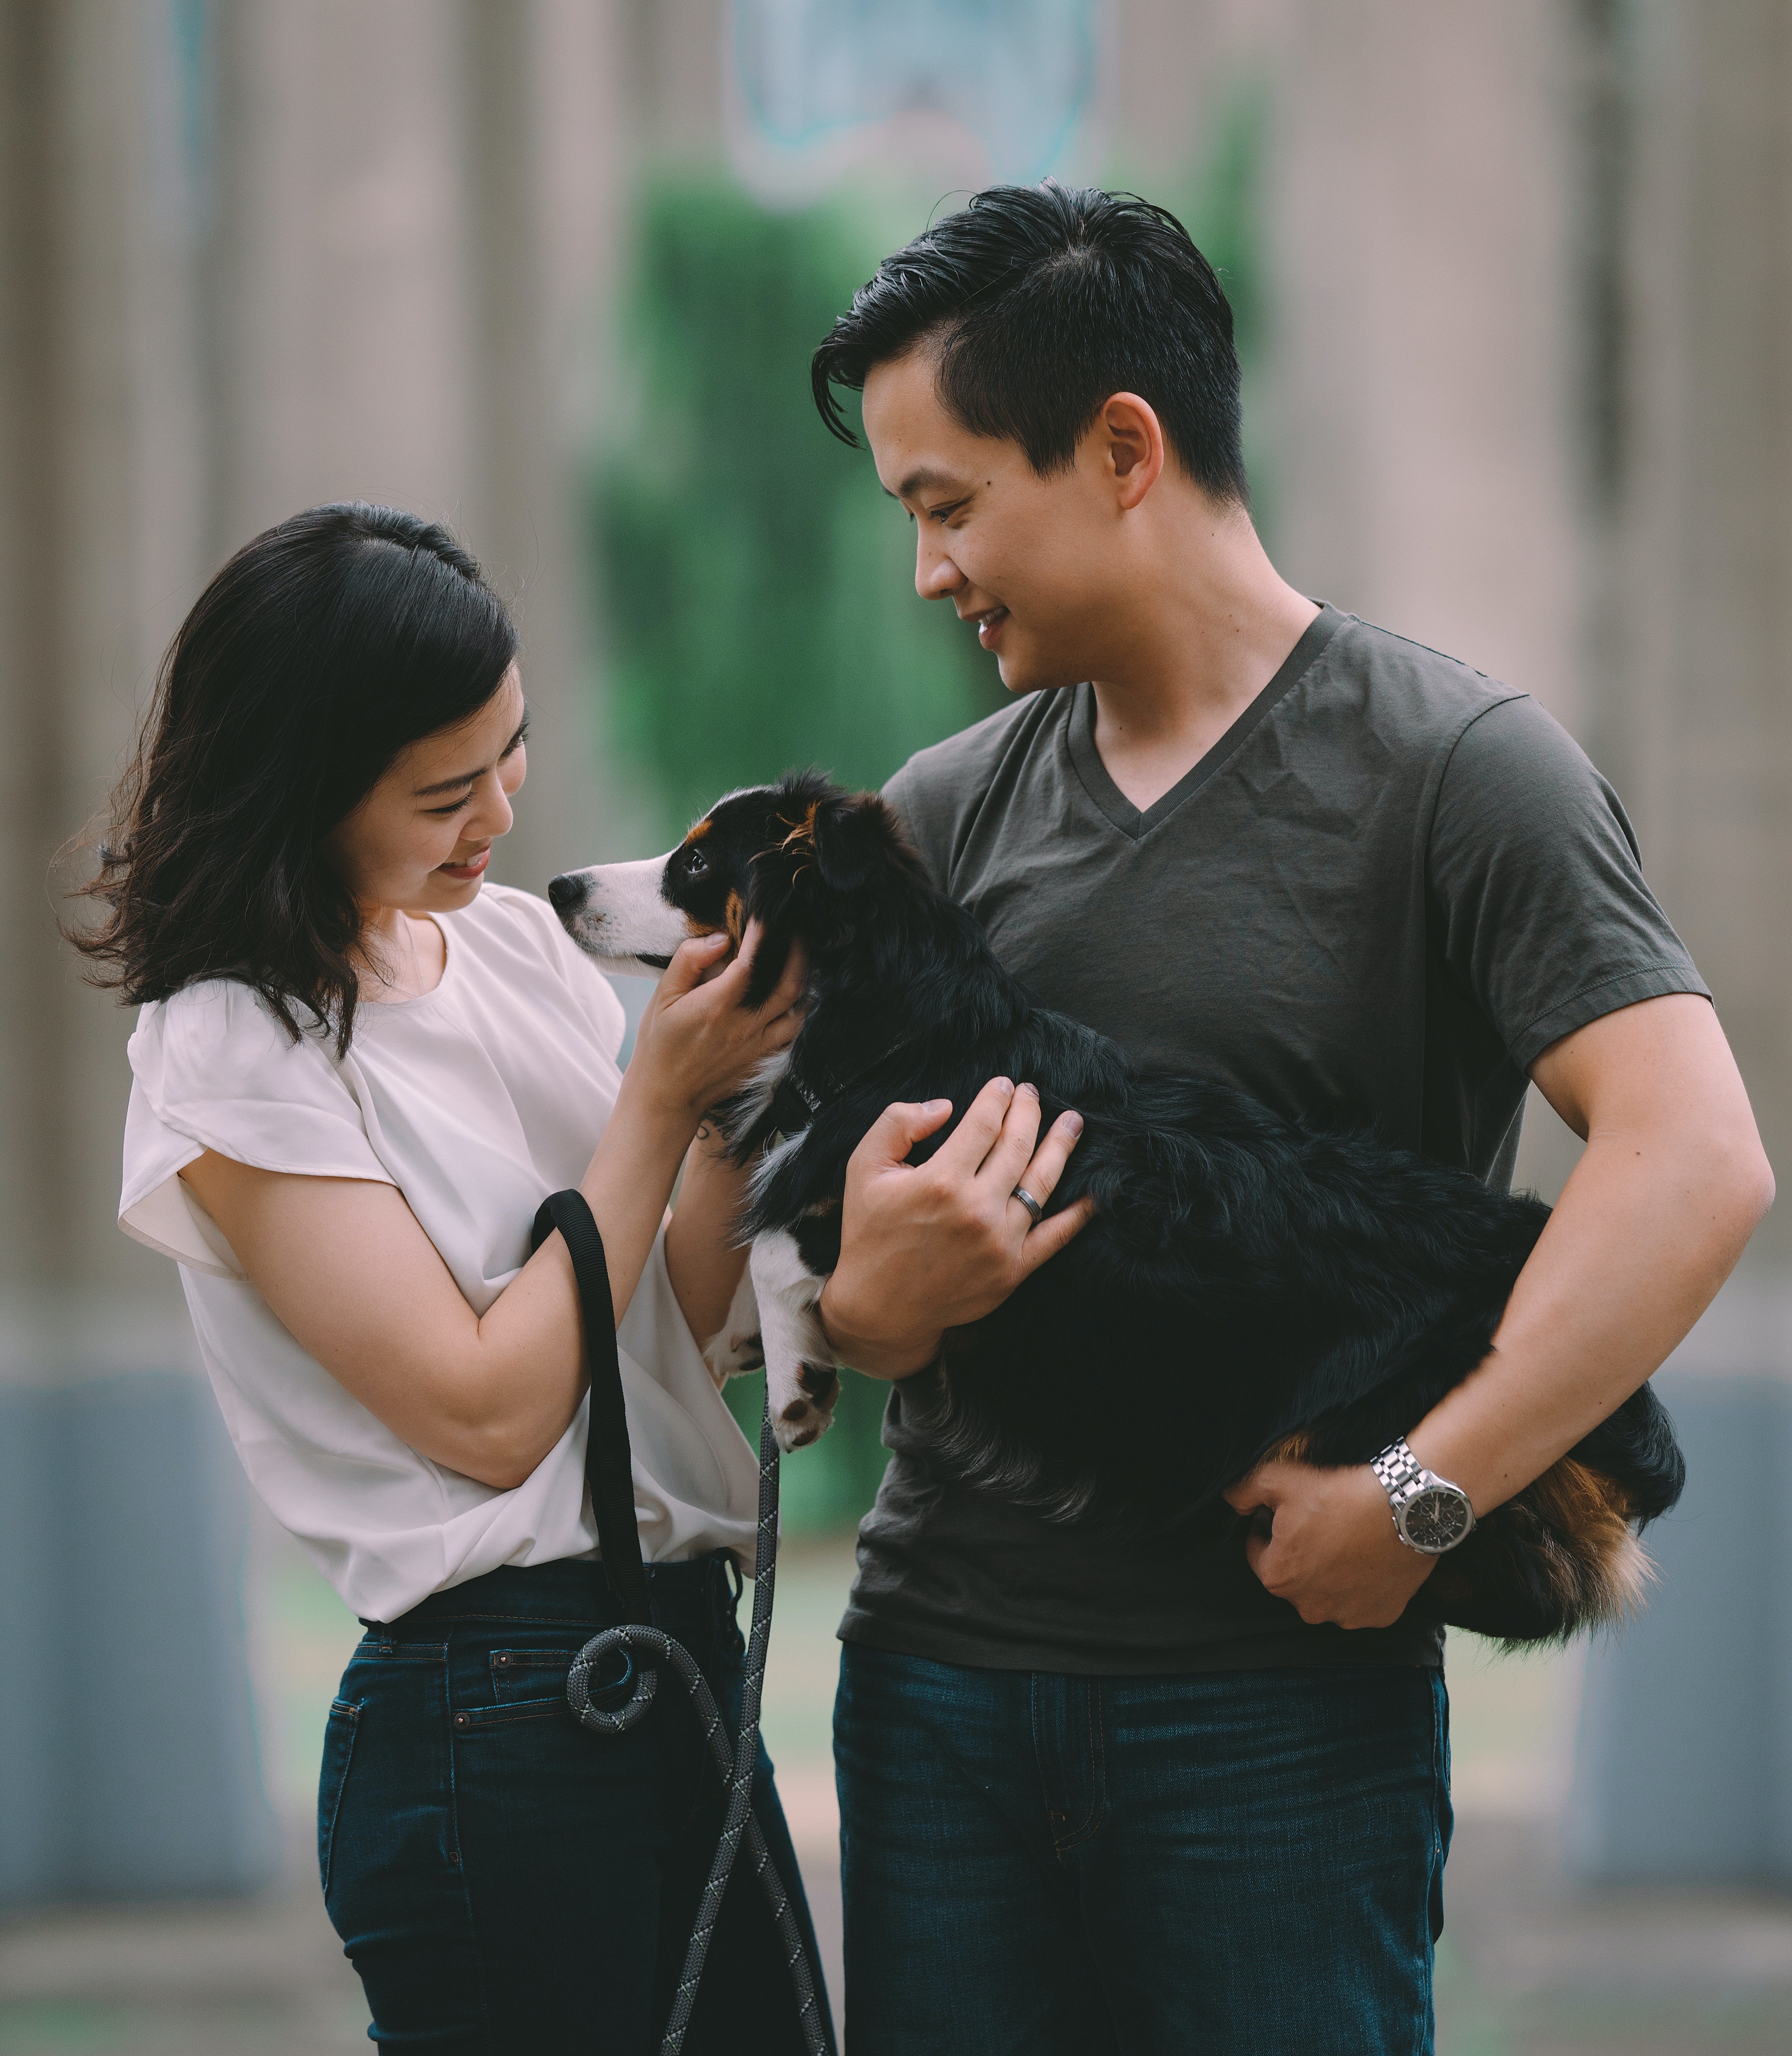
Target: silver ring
[(1031, 1205)]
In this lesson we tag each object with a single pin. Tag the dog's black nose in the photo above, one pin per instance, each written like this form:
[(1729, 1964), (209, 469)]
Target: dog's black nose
[(565, 894)]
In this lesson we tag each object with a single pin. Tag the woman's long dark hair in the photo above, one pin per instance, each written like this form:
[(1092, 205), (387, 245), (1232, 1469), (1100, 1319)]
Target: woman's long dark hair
[(319, 651)]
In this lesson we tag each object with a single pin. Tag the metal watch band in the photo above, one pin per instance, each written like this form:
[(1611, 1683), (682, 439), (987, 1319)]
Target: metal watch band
[(1398, 1470), (1405, 1479)]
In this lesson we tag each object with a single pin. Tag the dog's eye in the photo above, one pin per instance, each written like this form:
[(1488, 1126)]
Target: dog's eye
[(695, 864)]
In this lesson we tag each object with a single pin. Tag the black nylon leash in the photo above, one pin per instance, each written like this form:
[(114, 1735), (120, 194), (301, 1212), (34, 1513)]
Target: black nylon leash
[(609, 1473)]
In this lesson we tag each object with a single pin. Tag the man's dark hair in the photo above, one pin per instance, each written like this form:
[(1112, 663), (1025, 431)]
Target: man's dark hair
[(1043, 301), (322, 650)]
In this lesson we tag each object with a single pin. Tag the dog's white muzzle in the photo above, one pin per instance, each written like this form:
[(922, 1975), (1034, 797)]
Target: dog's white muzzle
[(617, 912)]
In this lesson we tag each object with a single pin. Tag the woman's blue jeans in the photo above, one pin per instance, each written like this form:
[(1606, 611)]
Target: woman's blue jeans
[(1224, 1863), (505, 1880)]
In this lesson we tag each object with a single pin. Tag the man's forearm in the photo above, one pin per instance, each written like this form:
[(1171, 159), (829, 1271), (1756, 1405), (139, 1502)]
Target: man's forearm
[(1648, 1228)]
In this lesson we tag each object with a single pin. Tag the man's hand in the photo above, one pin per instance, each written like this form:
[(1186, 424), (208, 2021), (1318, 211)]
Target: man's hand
[(1333, 1553), (925, 1248)]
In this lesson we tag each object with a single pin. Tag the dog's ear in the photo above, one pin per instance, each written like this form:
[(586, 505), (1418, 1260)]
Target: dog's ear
[(829, 847), (854, 835), (777, 936)]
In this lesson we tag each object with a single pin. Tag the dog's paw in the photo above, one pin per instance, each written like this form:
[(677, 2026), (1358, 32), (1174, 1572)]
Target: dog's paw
[(799, 1417), (736, 1347), (732, 1354)]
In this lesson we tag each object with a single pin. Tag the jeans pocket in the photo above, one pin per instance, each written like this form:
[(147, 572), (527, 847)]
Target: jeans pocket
[(529, 1674), (338, 1749)]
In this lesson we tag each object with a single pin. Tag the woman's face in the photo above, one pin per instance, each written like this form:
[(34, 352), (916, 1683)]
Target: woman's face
[(422, 837)]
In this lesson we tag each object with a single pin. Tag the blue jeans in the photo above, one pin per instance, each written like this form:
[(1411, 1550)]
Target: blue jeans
[(505, 1880), (1224, 1862)]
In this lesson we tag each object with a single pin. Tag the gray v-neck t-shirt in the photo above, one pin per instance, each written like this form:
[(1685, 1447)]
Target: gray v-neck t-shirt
[(1388, 889)]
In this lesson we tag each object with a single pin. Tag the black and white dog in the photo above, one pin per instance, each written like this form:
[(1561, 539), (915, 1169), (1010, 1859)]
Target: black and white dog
[(1247, 1285)]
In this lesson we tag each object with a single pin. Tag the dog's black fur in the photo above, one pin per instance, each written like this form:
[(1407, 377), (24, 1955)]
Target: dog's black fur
[(1248, 1283)]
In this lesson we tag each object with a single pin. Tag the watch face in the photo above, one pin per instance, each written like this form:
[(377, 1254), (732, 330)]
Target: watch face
[(1436, 1520)]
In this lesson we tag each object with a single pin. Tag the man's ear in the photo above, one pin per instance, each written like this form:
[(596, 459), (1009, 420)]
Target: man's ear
[(854, 835), (1132, 440)]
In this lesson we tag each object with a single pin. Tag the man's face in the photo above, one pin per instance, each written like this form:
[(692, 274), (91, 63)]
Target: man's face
[(1034, 563)]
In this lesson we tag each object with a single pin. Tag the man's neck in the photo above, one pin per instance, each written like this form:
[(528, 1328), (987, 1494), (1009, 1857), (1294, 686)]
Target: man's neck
[(1214, 624)]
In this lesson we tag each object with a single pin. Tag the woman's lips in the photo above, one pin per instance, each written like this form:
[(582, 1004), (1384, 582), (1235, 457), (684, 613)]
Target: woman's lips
[(464, 872)]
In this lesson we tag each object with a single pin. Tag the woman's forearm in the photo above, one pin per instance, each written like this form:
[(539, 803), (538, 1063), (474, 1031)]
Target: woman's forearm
[(703, 1260), (345, 1267), (629, 1180)]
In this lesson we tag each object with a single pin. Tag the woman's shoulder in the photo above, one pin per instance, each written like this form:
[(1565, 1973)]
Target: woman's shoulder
[(219, 1038), (212, 1013)]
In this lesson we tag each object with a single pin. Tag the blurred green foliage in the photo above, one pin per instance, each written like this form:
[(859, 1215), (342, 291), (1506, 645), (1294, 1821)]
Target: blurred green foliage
[(759, 586), (829, 1485)]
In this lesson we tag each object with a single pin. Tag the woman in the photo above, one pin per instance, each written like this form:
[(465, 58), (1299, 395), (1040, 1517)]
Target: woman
[(358, 1071)]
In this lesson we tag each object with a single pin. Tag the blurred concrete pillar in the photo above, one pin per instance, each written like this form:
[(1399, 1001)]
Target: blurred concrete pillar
[(127, 1761), (1421, 396), (1686, 1761), (550, 89), (418, 208)]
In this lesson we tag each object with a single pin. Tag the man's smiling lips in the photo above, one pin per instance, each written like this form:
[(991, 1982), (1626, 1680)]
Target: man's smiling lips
[(989, 620)]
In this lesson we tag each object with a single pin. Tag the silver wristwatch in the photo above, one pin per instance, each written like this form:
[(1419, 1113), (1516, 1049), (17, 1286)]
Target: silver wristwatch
[(1430, 1514)]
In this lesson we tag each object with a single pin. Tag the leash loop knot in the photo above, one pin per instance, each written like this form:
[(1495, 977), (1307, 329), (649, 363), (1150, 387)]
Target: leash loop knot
[(614, 1720)]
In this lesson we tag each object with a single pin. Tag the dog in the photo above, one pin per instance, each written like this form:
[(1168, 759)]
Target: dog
[(1248, 1285)]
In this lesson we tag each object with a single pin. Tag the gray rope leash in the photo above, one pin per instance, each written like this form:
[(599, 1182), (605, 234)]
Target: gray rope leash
[(738, 1823)]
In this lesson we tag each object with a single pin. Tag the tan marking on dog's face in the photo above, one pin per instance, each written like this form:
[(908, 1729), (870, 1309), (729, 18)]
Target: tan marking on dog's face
[(693, 926), (736, 914), (697, 834)]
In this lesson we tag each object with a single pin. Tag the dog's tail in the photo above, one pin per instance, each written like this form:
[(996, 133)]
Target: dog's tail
[(1559, 1557)]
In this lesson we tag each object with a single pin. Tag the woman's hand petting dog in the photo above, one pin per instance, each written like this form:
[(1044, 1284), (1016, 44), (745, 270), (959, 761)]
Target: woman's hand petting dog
[(925, 1248), (1332, 1553), (697, 1041)]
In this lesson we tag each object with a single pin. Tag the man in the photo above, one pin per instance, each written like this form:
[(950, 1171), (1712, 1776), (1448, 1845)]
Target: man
[(1190, 1791)]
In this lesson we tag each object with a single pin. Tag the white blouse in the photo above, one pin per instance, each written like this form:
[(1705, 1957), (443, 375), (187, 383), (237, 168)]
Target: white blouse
[(477, 1101)]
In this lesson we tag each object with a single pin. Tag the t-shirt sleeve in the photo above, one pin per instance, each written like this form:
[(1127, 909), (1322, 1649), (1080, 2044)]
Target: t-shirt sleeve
[(1536, 879), (212, 1069)]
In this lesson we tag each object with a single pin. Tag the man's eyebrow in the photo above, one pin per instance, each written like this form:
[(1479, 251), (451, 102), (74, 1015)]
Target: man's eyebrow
[(467, 777), (918, 481)]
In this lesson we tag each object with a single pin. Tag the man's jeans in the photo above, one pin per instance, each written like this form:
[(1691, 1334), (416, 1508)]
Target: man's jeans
[(1225, 1862)]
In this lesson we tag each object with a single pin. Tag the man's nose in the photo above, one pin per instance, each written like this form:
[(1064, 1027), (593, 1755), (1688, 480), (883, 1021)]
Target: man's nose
[(936, 576)]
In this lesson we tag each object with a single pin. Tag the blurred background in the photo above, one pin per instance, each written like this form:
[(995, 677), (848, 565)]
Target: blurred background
[(1511, 278)]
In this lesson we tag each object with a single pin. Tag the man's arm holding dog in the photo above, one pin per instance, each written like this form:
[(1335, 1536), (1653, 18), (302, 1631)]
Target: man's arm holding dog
[(1672, 1183)]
